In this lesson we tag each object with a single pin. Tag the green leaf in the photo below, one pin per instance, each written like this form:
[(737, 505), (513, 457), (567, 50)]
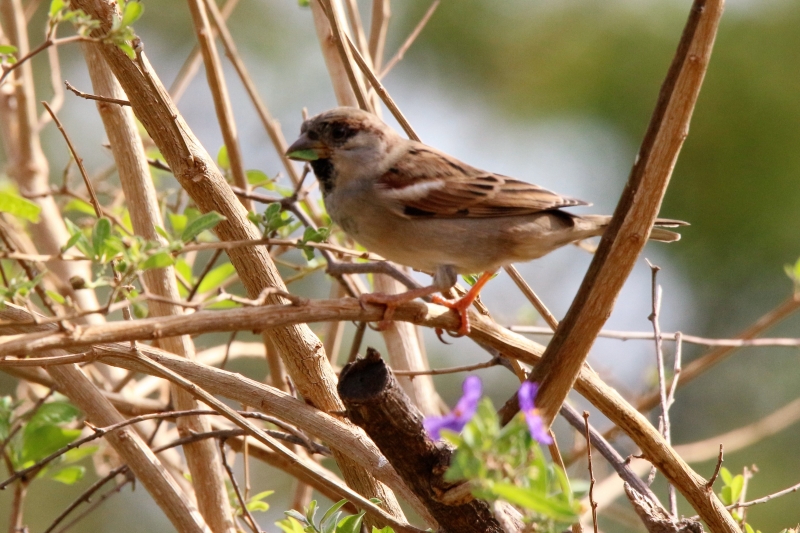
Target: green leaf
[(45, 440), (161, 231), (133, 10), (78, 205), (332, 511), (255, 502), (128, 49), (290, 525), (535, 501), (6, 410), (472, 279), (200, 224), (14, 204), (55, 7), (259, 507), (100, 235), (222, 158), (216, 277), (73, 240), (386, 529), (223, 304), (69, 475), (725, 495), (350, 524), (726, 475), (52, 413), (140, 309), (304, 155), (55, 296), (7, 49), (184, 269), (76, 454), (178, 222), (256, 177), (159, 260), (737, 485), (262, 495), (311, 511), (294, 515)]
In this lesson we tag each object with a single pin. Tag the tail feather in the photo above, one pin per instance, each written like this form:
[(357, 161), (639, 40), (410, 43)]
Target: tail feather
[(658, 232)]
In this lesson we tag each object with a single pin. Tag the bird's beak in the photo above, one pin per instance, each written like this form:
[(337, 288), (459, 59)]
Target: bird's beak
[(305, 149)]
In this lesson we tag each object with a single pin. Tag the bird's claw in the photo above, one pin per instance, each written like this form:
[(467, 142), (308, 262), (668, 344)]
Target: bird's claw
[(460, 306), (380, 299)]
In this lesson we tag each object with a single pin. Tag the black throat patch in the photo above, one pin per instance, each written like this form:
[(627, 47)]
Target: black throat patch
[(323, 169)]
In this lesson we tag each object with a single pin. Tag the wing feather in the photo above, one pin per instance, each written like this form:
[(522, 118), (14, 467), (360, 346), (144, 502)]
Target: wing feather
[(429, 183)]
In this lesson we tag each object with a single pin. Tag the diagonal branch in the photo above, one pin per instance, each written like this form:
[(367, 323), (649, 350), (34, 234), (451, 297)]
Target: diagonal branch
[(623, 242), (140, 195), (300, 349)]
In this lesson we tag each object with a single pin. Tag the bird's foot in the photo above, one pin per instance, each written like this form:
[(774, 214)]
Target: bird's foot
[(460, 306), (391, 301)]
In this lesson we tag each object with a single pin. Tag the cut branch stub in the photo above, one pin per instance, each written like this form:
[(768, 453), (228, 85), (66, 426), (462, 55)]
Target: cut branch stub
[(376, 402)]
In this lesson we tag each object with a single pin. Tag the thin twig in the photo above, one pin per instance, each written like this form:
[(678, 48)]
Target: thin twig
[(340, 37), (79, 161), (100, 501), (263, 437), (379, 23), (242, 503), (356, 25), (271, 125), (297, 438), (591, 471), (409, 40), (55, 82), (77, 358), (537, 303), (206, 269), (647, 336), (219, 93), (85, 495), (450, 370), (95, 96), (676, 368), (8, 69), (713, 478), (358, 338), (765, 499), (192, 63), (382, 92), (662, 382)]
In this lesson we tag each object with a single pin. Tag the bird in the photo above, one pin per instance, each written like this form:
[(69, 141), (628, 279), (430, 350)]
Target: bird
[(422, 208)]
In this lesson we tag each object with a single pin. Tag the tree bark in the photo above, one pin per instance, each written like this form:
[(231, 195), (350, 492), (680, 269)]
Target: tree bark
[(376, 402)]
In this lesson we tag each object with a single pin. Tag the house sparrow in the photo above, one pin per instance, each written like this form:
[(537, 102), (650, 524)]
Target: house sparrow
[(422, 208)]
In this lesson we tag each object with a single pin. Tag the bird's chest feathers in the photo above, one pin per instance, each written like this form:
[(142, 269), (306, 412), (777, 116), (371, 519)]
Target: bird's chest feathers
[(348, 205)]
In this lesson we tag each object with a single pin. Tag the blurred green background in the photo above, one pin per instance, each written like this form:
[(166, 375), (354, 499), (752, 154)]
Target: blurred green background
[(560, 94)]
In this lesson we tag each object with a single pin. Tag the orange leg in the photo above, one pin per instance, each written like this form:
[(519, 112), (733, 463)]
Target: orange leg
[(462, 304), (392, 301)]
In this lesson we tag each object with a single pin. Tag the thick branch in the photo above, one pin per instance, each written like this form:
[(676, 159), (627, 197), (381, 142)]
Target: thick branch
[(134, 174), (301, 350), (376, 402)]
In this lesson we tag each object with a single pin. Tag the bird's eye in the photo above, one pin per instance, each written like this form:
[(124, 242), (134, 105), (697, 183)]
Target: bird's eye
[(339, 132)]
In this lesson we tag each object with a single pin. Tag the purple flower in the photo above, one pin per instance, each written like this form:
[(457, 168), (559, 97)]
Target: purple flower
[(527, 393), (460, 415)]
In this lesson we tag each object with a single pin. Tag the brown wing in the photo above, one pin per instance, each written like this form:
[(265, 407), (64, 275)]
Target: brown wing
[(426, 182)]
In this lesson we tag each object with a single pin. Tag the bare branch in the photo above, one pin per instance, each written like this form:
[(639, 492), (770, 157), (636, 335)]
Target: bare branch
[(398, 56)]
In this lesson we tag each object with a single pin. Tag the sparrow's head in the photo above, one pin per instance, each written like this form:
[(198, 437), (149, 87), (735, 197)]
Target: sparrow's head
[(345, 138)]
